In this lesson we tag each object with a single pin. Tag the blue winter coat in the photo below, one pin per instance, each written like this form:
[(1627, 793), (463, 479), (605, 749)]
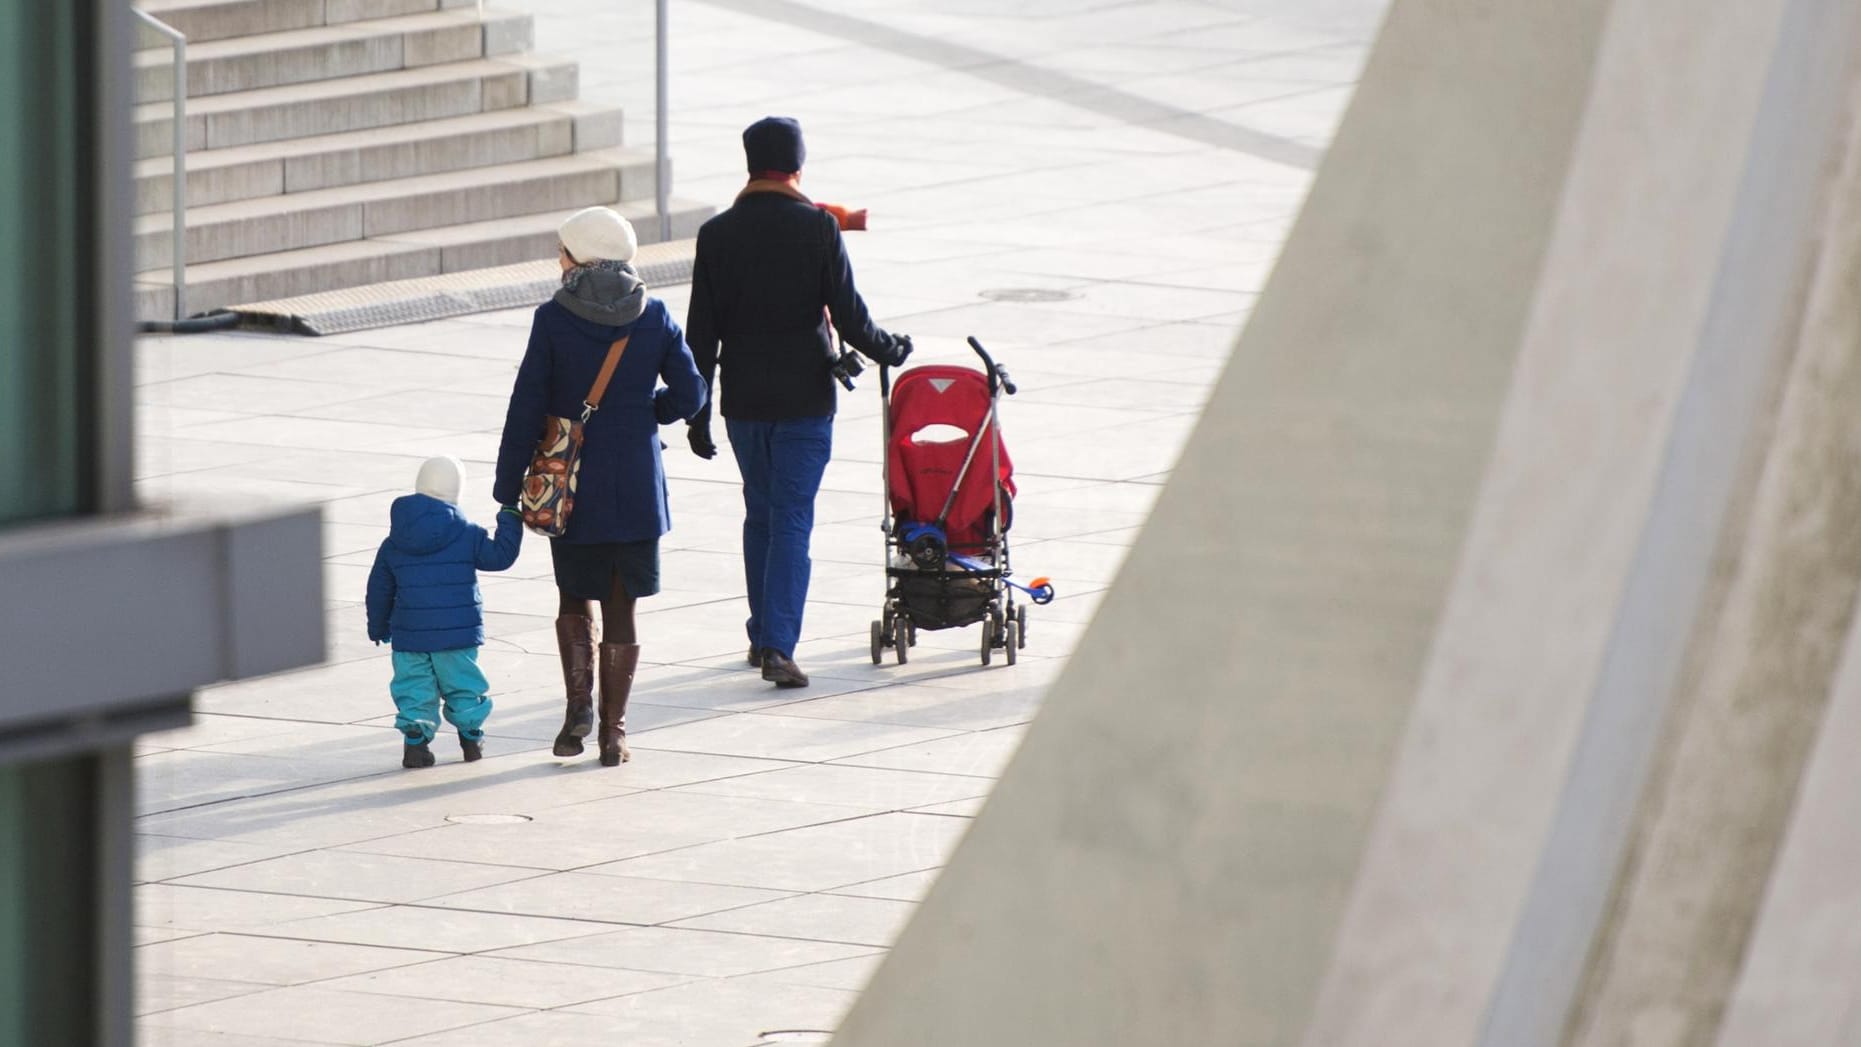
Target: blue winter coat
[(620, 495), (423, 590)]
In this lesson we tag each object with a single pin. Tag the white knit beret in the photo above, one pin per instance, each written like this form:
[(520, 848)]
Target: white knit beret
[(441, 478), (598, 234)]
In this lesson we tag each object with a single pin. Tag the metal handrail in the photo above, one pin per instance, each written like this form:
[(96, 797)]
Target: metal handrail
[(179, 249), (661, 164)]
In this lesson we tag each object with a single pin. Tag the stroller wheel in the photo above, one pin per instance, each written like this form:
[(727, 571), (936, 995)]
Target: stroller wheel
[(911, 635), (1013, 635), (878, 642), (900, 641), (988, 640), (1021, 624)]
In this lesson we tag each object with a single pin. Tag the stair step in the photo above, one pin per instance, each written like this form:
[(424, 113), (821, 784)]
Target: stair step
[(295, 56), (481, 245), (207, 20), (355, 212), (354, 103), (218, 176), (284, 274), (313, 270)]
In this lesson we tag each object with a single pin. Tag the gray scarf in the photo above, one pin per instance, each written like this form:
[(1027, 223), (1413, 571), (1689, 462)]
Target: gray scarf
[(604, 292)]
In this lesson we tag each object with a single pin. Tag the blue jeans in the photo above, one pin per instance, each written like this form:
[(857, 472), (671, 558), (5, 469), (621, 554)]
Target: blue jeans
[(422, 679), (782, 463)]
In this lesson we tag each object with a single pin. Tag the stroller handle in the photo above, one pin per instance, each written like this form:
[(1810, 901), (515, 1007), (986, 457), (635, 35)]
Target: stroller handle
[(998, 375)]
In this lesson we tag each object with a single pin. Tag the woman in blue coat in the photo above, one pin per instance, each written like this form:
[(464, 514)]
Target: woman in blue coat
[(610, 551)]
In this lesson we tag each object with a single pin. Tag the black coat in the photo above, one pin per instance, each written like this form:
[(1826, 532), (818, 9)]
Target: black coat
[(767, 273)]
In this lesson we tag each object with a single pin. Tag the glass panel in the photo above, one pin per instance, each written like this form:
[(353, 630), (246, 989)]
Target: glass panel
[(44, 445), (48, 902)]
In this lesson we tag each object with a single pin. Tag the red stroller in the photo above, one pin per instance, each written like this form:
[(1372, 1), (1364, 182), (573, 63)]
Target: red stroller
[(949, 502)]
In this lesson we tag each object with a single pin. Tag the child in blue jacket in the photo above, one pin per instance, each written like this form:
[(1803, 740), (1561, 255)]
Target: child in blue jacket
[(423, 598)]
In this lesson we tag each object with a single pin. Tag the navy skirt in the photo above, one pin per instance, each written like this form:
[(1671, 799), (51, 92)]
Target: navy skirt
[(588, 571)]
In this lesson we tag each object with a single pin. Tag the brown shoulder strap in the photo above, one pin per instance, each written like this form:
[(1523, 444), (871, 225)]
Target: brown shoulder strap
[(606, 375)]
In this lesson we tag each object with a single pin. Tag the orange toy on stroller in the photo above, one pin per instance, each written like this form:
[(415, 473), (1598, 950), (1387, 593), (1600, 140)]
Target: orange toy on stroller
[(949, 503)]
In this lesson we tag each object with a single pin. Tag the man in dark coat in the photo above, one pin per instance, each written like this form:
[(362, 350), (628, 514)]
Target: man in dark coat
[(769, 272)]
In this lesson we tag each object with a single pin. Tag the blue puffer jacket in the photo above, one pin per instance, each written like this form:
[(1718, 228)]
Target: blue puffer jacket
[(423, 591)]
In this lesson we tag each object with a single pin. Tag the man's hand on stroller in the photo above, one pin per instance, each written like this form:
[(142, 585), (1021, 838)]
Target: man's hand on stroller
[(699, 436), (901, 350)]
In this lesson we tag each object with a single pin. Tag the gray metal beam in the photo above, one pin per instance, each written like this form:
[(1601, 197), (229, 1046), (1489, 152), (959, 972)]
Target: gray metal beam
[(106, 621)]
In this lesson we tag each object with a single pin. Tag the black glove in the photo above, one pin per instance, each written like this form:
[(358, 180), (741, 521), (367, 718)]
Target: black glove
[(901, 349), (699, 437)]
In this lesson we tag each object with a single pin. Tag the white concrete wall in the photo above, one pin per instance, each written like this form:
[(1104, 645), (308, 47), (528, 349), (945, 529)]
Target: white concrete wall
[(1668, 300), (1356, 748), (1167, 859)]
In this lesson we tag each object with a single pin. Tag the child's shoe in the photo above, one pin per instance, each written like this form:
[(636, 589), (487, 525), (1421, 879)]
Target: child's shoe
[(417, 756), (474, 751)]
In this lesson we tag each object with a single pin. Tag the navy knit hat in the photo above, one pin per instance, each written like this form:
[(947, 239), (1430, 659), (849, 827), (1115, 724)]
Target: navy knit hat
[(774, 144)]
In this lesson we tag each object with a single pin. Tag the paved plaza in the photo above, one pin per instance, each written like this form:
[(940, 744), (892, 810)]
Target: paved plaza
[(1096, 191)]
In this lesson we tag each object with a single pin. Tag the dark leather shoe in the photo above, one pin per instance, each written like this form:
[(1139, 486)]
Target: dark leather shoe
[(781, 670), (755, 657), (413, 756)]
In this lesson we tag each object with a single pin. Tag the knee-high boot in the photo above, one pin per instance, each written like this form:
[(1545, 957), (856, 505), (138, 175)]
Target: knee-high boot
[(618, 661), (575, 642)]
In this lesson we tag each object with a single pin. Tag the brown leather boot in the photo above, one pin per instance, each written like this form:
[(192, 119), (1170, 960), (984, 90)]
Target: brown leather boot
[(575, 642), (618, 661)]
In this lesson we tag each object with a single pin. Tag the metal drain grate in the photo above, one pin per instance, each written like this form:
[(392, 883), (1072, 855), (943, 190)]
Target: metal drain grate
[(1027, 294), (452, 294)]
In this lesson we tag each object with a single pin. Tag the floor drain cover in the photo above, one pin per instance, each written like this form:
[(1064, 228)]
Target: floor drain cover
[(488, 819), (1027, 294)]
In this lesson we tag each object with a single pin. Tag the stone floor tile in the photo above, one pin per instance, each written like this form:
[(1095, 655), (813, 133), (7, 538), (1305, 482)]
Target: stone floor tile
[(171, 857), (208, 909), (924, 705), (725, 683), (909, 887), (183, 778), (788, 737), (274, 961), (721, 1011), (151, 935), (816, 917), (212, 729), (611, 899), (709, 954), (850, 974), (983, 753), (816, 858), (355, 876), (449, 930), (602, 831), (316, 741), (330, 1016), (150, 1034), (543, 1029), (863, 788), (160, 992), (507, 983)]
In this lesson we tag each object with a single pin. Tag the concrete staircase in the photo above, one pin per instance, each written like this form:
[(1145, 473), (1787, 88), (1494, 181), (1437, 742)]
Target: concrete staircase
[(337, 143)]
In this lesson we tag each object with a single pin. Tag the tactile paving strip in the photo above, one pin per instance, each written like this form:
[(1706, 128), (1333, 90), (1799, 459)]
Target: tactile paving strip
[(451, 294)]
